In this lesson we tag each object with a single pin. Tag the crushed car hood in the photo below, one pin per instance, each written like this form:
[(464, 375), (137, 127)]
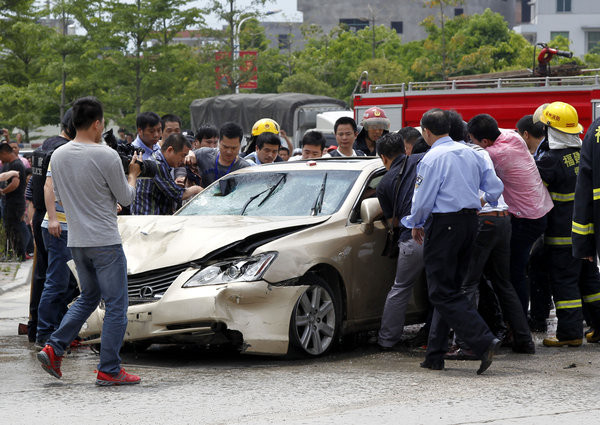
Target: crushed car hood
[(153, 242)]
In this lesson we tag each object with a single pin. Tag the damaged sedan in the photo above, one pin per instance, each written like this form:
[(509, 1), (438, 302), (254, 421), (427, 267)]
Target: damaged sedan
[(282, 258)]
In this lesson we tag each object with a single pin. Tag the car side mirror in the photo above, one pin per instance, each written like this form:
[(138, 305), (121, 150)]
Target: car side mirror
[(370, 211)]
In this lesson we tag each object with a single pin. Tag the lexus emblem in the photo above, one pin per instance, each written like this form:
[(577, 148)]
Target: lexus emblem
[(146, 292)]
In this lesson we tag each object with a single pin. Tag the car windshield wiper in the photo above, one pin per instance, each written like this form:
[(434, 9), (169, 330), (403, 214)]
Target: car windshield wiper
[(269, 189), (318, 206)]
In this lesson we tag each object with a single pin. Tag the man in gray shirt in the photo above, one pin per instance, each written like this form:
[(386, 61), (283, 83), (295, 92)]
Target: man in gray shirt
[(89, 181), (214, 163)]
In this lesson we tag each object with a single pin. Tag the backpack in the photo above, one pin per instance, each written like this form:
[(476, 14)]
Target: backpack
[(39, 167)]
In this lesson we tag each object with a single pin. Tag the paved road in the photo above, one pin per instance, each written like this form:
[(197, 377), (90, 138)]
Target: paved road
[(358, 386)]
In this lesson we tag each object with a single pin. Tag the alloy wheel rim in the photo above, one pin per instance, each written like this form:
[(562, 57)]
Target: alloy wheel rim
[(315, 320)]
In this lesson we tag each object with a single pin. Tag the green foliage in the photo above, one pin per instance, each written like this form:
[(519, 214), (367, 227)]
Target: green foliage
[(303, 82)]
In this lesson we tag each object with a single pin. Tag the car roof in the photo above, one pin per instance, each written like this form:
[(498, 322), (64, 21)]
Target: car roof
[(338, 163)]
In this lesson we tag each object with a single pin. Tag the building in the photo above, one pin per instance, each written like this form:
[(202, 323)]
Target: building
[(285, 36), (577, 20), (404, 16)]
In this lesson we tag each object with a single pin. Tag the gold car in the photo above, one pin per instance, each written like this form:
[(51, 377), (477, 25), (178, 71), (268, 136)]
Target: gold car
[(273, 259)]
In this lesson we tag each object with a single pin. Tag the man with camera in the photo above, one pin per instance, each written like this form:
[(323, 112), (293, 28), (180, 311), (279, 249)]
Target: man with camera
[(89, 181), (160, 195)]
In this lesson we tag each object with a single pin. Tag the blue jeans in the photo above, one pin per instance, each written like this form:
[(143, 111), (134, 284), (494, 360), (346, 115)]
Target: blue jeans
[(102, 274), (57, 291)]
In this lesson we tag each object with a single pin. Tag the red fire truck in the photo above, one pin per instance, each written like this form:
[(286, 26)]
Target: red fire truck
[(506, 99)]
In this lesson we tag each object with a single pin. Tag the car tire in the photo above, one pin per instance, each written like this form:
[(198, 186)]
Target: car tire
[(316, 319)]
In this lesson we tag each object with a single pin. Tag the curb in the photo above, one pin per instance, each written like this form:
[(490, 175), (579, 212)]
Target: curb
[(23, 277)]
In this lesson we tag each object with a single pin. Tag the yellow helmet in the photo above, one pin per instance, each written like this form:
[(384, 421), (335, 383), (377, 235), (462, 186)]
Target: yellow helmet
[(562, 117), (265, 125)]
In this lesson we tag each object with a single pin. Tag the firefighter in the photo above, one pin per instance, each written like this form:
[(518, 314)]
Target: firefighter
[(374, 125), (586, 213), (570, 277)]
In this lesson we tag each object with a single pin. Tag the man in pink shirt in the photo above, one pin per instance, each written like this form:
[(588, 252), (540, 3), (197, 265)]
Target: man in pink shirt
[(527, 198)]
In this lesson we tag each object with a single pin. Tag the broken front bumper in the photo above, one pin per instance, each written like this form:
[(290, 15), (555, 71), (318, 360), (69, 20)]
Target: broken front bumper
[(258, 310)]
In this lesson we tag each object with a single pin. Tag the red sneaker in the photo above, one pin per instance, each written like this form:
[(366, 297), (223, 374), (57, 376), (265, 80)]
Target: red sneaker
[(50, 361), (122, 378)]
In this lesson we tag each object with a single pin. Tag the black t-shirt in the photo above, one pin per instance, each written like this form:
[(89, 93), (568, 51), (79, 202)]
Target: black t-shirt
[(16, 198)]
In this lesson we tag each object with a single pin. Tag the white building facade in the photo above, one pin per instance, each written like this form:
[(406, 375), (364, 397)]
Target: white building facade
[(577, 20)]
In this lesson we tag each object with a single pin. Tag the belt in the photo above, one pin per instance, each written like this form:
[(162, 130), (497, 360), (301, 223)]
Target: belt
[(494, 213), (463, 211)]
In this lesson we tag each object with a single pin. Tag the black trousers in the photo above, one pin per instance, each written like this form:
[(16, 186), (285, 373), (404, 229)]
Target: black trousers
[(491, 256), (447, 252), (574, 282), (39, 274)]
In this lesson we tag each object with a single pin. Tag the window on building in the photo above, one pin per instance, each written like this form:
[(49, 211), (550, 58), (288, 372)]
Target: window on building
[(355, 24), (397, 26), (593, 42), (459, 11), (525, 11), (554, 34), (563, 5), (284, 41)]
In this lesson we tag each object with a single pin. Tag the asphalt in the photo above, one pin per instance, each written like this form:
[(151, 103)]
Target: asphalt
[(13, 275)]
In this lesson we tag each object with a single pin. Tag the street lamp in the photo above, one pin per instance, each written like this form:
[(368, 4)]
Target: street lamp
[(236, 50)]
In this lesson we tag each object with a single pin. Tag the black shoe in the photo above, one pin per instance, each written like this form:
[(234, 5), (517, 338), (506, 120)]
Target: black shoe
[(399, 347), (486, 359), (460, 354), (433, 365), (524, 347)]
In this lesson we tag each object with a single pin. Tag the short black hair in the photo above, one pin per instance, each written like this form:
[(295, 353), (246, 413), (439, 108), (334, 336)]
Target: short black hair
[(526, 124), (283, 148), (420, 146), (267, 138), (147, 119), (178, 141), (314, 138), (483, 126), (168, 118), (5, 148), (66, 124), (437, 121), (409, 134), (86, 110), (232, 131), (206, 131), (391, 145), (344, 120), (458, 128)]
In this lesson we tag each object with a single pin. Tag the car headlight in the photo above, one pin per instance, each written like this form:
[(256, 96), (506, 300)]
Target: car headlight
[(235, 270)]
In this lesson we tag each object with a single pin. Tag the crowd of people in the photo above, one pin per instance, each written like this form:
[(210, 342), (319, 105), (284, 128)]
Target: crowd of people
[(501, 222)]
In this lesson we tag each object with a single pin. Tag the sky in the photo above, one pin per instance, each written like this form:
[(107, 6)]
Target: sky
[(288, 11)]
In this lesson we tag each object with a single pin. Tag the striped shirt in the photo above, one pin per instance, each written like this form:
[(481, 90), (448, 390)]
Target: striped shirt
[(158, 195)]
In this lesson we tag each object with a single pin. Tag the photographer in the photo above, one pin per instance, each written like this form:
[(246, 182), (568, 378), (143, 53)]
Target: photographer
[(89, 181), (160, 195)]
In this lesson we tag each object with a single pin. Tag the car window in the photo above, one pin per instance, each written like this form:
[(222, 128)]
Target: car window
[(298, 193), (368, 192)]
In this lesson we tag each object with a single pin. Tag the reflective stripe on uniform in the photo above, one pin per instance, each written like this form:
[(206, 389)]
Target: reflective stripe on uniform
[(582, 229), (568, 304), (563, 197), (591, 298), (596, 194), (558, 241)]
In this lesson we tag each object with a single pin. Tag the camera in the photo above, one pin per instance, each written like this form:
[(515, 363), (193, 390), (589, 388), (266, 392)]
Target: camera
[(126, 151)]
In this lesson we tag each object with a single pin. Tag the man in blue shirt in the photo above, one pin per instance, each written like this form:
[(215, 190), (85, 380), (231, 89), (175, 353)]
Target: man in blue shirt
[(149, 131), (447, 188)]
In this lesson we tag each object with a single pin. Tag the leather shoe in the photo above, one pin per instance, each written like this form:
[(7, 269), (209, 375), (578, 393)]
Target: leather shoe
[(433, 365), (555, 342), (527, 347), (460, 354), (486, 359)]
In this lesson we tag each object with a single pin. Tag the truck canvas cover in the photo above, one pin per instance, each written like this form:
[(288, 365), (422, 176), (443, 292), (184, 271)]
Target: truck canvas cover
[(246, 109)]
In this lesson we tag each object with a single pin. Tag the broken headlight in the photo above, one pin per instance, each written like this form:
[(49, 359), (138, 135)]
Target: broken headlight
[(246, 269)]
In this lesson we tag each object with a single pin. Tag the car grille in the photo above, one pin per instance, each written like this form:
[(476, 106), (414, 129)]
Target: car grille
[(150, 286)]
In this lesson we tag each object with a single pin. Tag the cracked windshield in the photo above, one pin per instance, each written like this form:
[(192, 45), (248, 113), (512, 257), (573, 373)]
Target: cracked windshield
[(302, 193)]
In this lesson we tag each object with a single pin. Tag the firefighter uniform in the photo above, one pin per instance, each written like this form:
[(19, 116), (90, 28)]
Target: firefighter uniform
[(570, 277)]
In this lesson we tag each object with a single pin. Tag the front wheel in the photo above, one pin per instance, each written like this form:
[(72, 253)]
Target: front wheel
[(316, 318)]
